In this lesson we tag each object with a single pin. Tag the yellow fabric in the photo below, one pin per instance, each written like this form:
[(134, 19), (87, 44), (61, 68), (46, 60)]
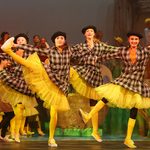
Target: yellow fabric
[(12, 127), (96, 108), (53, 122), (13, 97), (131, 124), (30, 111), (22, 125), (19, 116), (121, 97), (40, 83), (95, 122), (95, 132), (81, 86)]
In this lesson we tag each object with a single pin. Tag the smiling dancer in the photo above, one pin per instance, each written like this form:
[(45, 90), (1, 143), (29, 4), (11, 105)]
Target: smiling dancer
[(129, 89)]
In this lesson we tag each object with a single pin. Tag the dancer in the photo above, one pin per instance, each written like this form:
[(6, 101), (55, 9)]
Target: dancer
[(8, 113), (14, 89), (50, 85), (128, 90), (87, 73), (88, 70)]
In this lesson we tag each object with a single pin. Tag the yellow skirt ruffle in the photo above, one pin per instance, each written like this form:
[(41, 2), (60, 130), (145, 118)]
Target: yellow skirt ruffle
[(121, 97), (81, 86), (30, 111), (11, 96), (40, 83), (27, 111)]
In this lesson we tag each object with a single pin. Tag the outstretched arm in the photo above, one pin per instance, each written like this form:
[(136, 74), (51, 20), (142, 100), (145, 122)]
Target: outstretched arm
[(109, 52), (40, 51)]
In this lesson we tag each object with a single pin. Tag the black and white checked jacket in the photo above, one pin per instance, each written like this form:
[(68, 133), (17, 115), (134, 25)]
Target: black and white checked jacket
[(132, 76), (89, 67), (58, 69), (13, 76)]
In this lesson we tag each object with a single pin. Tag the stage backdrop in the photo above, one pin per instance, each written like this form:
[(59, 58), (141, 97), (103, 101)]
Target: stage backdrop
[(47, 16)]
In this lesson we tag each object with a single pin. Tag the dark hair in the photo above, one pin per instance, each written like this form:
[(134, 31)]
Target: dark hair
[(89, 27), (56, 34), (3, 34), (135, 34), (36, 35), (21, 35)]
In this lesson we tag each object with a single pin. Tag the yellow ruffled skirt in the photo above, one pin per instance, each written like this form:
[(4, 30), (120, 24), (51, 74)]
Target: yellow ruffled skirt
[(123, 98), (11, 96), (81, 86), (40, 83)]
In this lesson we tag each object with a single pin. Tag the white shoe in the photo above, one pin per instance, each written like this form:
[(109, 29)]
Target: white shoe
[(8, 44), (96, 137), (52, 143), (129, 143), (17, 140), (7, 139)]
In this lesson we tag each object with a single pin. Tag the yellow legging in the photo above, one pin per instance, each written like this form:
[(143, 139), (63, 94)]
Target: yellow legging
[(16, 122), (94, 121), (53, 122)]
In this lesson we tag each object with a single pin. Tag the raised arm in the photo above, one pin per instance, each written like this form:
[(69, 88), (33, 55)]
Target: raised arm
[(109, 52)]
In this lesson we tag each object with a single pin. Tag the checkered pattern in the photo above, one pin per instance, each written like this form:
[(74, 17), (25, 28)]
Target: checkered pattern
[(4, 56), (89, 66), (132, 76), (13, 75), (15, 83), (59, 66)]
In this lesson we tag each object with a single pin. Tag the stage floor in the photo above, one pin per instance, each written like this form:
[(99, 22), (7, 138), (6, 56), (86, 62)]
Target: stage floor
[(40, 143)]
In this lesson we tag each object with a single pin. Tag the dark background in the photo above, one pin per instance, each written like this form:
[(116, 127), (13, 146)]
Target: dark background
[(44, 17)]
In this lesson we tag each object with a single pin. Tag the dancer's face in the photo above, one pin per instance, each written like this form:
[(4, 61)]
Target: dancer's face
[(21, 40), (36, 39), (6, 37), (89, 34), (59, 41), (133, 41)]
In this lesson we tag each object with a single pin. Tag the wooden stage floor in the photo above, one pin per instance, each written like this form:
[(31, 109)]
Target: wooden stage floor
[(71, 144)]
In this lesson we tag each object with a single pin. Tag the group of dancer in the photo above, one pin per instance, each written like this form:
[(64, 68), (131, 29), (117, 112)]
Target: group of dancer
[(78, 65)]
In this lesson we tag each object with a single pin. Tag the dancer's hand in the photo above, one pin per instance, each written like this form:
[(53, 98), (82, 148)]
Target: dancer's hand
[(47, 61), (20, 52), (6, 47)]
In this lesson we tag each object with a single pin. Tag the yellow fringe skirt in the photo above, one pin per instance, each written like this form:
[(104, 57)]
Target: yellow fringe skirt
[(81, 86), (121, 97), (11, 96), (40, 83)]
